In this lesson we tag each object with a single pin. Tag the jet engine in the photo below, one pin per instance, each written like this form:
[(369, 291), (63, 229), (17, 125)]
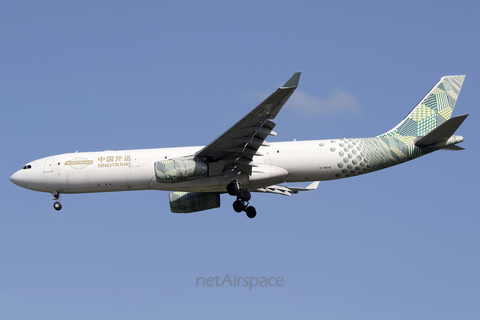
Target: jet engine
[(179, 170), (186, 202)]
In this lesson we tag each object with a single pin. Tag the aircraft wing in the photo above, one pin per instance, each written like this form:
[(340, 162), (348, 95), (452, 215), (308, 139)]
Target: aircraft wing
[(286, 190), (237, 146)]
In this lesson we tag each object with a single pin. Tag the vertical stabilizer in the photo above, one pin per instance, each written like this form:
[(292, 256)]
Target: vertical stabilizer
[(433, 110)]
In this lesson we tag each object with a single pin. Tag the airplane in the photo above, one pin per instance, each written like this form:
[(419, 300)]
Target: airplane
[(241, 161)]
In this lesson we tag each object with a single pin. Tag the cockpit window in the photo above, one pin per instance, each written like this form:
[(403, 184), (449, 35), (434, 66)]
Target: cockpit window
[(27, 167)]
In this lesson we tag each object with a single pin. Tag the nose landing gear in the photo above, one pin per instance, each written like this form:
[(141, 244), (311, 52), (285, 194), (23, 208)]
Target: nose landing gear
[(243, 196), (57, 205)]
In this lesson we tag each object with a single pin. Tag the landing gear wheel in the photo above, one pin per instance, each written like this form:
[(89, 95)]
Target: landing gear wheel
[(234, 188), (231, 189), (245, 194), (57, 205), (251, 212), (238, 206)]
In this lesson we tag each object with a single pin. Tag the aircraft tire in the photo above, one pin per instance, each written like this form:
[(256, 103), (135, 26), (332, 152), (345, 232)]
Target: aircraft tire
[(251, 212), (231, 189), (245, 194), (57, 205), (238, 206)]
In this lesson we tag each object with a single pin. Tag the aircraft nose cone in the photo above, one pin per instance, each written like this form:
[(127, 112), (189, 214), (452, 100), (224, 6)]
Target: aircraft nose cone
[(14, 178)]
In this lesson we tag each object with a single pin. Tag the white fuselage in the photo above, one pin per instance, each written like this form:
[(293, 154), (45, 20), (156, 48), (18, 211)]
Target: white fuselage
[(240, 161), (125, 170)]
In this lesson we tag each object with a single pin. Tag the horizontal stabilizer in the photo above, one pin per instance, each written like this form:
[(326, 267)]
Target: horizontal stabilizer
[(441, 133), (453, 147), (286, 190)]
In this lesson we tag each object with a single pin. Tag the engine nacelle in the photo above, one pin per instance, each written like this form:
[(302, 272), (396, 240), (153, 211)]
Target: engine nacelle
[(186, 202), (179, 170)]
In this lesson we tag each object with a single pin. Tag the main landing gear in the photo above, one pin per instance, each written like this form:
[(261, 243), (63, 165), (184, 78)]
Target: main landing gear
[(243, 196), (56, 196)]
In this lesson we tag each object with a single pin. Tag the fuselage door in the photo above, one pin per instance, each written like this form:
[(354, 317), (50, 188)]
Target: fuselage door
[(48, 165)]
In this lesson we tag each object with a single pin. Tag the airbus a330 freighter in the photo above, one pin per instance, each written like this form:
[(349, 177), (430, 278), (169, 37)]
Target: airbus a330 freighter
[(240, 161)]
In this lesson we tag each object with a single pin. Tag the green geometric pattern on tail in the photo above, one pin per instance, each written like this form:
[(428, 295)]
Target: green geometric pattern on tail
[(433, 110), (363, 155)]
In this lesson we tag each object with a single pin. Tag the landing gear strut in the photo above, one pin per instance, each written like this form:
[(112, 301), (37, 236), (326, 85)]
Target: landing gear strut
[(56, 196), (243, 196)]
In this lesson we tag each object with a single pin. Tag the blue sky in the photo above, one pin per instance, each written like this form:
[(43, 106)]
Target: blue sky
[(401, 243)]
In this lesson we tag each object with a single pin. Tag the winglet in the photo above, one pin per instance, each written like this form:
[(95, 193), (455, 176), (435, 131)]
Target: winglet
[(312, 186), (293, 81)]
